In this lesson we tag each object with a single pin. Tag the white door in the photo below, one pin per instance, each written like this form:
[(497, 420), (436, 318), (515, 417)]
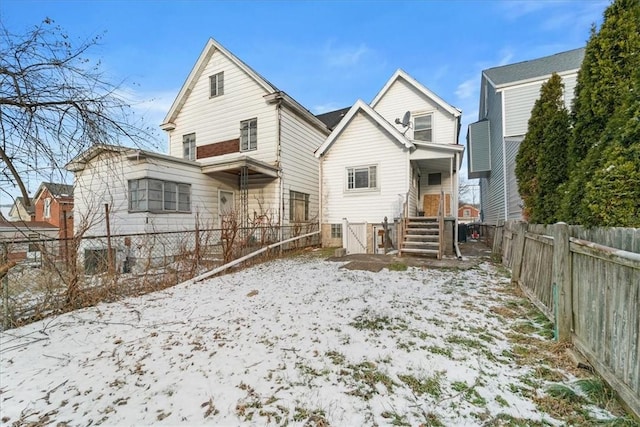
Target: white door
[(225, 207)]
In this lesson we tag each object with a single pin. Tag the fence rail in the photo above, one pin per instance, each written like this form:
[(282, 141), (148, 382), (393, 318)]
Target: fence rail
[(54, 275), (589, 289)]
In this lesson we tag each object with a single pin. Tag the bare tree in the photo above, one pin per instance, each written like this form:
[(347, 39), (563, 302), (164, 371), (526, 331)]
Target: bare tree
[(55, 102)]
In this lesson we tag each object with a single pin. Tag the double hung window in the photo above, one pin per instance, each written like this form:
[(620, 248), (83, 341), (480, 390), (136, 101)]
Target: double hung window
[(361, 178)]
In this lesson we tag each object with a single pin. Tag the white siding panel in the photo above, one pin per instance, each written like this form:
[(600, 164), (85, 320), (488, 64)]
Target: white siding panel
[(402, 97), (518, 105), (299, 140), (105, 181), (218, 119), (519, 102), (363, 143), (569, 89)]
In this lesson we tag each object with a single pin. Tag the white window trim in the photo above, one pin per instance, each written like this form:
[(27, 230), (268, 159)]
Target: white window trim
[(178, 185), (305, 198), (433, 119), (47, 208), (249, 142), (364, 189), (219, 88), (192, 146)]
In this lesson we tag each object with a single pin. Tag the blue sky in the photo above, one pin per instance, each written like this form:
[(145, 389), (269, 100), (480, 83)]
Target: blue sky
[(325, 54)]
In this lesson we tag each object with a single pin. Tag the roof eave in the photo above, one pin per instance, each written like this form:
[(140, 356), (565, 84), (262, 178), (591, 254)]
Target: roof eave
[(456, 112), (361, 105), (545, 77), (208, 51)]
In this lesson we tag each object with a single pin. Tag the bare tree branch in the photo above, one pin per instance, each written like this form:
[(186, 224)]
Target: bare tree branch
[(55, 102)]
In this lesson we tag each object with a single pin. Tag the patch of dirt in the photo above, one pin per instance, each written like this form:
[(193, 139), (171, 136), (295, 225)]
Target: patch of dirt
[(472, 252)]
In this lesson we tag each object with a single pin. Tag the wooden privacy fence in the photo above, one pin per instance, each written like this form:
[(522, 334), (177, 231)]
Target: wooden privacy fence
[(587, 281)]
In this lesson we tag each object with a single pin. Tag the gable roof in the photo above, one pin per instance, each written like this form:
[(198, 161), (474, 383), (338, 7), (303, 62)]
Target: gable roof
[(20, 201), (56, 190), (332, 118), (210, 48), (401, 74), (535, 68), (273, 94), (366, 109)]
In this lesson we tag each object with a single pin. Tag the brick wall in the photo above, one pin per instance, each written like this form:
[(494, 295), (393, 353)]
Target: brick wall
[(218, 148)]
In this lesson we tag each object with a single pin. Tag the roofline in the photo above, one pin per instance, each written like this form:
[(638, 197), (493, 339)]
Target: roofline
[(366, 108), (508, 85), (43, 185), (445, 147), (210, 47), (298, 108), (80, 162), (419, 86)]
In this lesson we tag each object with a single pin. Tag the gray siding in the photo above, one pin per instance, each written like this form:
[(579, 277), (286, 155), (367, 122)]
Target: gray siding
[(514, 202), (492, 188)]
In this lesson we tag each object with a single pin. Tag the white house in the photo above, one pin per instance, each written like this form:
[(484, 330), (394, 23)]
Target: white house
[(392, 158), (254, 140), (237, 146), (507, 96)]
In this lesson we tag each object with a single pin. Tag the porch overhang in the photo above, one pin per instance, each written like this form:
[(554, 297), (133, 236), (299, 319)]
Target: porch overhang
[(433, 151), (234, 166)]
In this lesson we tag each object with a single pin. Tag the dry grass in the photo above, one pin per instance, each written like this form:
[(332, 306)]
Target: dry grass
[(531, 334)]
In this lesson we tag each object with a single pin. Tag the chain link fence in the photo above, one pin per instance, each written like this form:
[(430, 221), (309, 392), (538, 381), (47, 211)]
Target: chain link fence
[(56, 275)]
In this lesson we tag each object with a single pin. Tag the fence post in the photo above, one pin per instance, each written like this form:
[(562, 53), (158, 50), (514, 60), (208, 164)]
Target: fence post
[(517, 250), (561, 279), (109, 254), (197, 243), (385, 226), (498, 234)]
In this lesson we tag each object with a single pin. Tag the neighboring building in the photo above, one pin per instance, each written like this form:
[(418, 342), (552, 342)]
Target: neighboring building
[(468, 213), (20, 212), (238, 146), (53, 203), (376, 165), (507, 96), (24, 239)]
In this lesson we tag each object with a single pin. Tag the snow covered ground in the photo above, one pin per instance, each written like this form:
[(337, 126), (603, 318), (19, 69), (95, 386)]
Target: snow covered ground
[(296, 341)]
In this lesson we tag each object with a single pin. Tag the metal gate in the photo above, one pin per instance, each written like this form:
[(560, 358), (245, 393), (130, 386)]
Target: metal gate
[(355, 237)]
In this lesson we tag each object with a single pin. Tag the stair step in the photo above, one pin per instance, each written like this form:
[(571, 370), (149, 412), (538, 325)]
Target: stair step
[(421, 238), (422, 225), (421, 232), (425, 245), (420, 251), (423, 218)]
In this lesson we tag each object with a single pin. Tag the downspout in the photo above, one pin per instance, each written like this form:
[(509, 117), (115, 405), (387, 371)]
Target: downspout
[(280, 171), (504, 161), (320, 213)]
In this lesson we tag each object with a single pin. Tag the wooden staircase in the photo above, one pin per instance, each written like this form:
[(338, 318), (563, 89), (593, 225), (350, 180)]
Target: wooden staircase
[(421, 237)]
